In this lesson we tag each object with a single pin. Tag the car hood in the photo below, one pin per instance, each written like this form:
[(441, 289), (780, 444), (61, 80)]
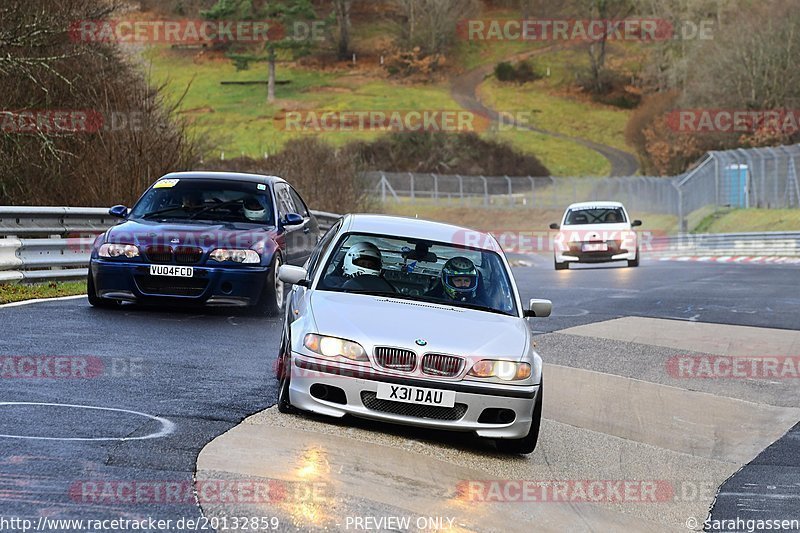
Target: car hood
[(204, 235), (380, 321)]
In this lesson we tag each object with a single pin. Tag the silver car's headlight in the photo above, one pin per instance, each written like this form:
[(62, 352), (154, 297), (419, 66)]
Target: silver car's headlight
[(505, 370), (333, 347), (247, 257), (118, 250)]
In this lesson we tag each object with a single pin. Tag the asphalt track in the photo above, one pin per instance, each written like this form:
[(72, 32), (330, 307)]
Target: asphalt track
[(200, 373)]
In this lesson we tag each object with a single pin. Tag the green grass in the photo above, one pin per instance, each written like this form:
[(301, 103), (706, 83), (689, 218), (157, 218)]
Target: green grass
[(561, 114), (17, 292), (562, 157), (239, 120), (744, 220)]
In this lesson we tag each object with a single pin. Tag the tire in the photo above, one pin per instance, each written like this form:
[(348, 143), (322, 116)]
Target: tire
[(527, 443), (273, 295), (94, 299), (635, 262), (284, 374), (561, 266)]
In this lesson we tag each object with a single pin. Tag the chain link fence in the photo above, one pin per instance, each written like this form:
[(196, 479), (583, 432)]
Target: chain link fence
[(757, 177)]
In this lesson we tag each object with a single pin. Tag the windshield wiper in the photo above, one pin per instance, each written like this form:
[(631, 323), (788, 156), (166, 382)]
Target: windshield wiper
[(212, 208)]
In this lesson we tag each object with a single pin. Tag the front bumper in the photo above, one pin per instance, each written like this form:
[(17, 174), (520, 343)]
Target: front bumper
[(574, 254), (213, 286), (360, 384)]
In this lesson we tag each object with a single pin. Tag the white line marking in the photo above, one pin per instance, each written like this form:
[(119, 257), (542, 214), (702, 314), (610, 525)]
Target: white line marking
[(167, 426), (40, 300)]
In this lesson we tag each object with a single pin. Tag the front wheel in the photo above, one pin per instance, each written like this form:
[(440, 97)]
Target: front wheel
[(270, 302), (527, 443), (635, 261), (94, 299)]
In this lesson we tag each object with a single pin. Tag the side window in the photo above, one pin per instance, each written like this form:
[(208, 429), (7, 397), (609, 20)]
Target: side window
[(284, 198), (321, 249), (299, 204)]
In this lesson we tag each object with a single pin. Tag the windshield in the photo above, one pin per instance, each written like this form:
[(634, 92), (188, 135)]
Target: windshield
[(420, 270), (215, 200), (594, 215)]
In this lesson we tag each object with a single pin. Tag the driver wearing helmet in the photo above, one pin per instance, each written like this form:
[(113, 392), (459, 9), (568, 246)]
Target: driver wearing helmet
[(254, 211), (459, 281), (362, 258)]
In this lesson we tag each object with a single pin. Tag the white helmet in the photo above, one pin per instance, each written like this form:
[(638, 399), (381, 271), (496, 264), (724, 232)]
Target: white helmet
[(253, 210), (362, 258)]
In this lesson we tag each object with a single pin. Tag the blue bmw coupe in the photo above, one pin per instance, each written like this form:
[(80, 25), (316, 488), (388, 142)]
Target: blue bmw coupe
[(204, 238)]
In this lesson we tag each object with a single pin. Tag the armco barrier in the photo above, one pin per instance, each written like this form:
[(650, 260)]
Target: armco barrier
[(35, 242), (770, 244)]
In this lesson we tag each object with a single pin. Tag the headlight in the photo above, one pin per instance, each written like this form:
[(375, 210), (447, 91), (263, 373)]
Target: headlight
[(118, 250), (332, 347), (505, 370), (247, 257)]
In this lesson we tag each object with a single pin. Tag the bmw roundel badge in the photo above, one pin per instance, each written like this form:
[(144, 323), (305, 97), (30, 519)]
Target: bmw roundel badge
[(421, 342)]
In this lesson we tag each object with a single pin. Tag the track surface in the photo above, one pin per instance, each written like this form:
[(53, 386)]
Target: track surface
[(206, 371)]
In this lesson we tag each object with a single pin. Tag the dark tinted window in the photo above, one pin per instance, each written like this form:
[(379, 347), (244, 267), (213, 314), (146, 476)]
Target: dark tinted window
[(216, 200)]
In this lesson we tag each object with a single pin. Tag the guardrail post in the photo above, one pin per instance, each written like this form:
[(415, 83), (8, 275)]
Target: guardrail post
[(510, 192), (485, 190)]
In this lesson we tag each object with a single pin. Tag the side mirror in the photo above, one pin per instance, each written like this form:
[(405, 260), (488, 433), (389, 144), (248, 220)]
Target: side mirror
[(636, 223), (555, 226), (119, 211), (293, 275), (539, 308), (292, 219)]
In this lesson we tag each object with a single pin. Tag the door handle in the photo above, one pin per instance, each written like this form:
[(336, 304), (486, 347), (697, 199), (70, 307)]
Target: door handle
[(306, 230)]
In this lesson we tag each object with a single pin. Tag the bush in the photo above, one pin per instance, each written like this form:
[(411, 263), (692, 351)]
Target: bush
[(43, 70), (327, 178), (446, 153), (522, 72)]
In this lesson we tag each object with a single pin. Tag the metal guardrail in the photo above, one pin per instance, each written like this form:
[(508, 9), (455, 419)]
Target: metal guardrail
[(768, 244), (54, 243)]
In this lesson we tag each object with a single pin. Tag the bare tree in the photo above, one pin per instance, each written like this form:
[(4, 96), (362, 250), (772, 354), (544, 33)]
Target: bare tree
[(431, 24), (342, 8)]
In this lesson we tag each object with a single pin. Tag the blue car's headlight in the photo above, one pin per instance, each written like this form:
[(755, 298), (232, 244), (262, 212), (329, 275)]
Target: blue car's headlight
[(247, 257), (118, 250)]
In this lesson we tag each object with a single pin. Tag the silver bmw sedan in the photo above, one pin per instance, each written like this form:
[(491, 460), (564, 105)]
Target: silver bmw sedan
[(412, 322)]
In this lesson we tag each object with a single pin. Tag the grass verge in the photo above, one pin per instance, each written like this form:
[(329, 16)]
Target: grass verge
[(17, 292)]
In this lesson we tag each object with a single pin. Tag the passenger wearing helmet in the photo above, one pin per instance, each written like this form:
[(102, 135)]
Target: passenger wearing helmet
[(459, 281), (362, 258), (254, 211), (192, 200)]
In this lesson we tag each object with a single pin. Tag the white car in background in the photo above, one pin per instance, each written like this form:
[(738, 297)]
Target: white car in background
[(396, 319), (595, 232)]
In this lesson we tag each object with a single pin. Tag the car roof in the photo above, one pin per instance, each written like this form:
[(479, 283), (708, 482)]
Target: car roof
[(601, 204), (415, 228), (237, 176)]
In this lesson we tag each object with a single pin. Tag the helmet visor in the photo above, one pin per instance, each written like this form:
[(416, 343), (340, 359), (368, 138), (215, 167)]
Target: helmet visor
[(366, 261), (462, 282)]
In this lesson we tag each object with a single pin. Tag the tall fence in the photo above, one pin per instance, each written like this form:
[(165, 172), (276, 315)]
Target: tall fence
[(757, 177)]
